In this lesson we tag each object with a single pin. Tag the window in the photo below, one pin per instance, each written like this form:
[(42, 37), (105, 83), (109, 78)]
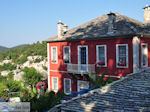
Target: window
[(122, 55), (55, 84), (54, 54), (81, 85), (83, 58), (67, 86), (144, 55), (66, 54), (101, 55)]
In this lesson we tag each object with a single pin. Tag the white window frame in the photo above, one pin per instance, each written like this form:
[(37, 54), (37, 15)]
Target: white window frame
[(65, 84), (79, 46), (117, 56), (55, 90), (142, 55), (105, 54), (52, 55), (69, 54), (79, 61)]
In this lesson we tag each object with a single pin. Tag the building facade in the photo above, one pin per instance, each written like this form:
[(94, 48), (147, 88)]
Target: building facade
[(114, 43)]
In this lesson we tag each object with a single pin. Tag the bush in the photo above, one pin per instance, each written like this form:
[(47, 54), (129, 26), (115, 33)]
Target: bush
[(46, 101), (7, 66), (3, 90), (14, 86), (31, 76)]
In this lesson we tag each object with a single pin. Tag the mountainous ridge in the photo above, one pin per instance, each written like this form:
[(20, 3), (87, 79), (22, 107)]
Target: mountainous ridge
[(2, 48)]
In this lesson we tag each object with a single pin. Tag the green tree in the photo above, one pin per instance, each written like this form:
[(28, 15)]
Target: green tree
[(31, 76)]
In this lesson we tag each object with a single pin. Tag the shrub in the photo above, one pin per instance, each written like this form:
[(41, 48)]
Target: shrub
[(14, 86), (7, 66), (46, 101), (31, 76)]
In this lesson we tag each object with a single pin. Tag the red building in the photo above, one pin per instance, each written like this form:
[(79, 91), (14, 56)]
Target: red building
[(116, 43)]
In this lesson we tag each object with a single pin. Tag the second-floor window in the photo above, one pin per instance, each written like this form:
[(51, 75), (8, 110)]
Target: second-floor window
[(122, 55), (66, 54), (101, 55), (54, 57)]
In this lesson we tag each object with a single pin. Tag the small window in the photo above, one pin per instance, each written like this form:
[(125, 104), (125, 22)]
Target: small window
[(54, 54), (55, 84), (122, 55), (66, 54), (101, 55), (67, 86), (144, 55)]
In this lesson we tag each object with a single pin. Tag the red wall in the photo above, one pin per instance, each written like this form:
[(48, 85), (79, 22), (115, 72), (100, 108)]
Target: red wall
[(111, 56)]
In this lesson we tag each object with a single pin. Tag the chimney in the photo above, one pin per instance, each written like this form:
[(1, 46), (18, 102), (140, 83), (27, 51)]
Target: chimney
[(61, 29), (111, 20), (147, 14)]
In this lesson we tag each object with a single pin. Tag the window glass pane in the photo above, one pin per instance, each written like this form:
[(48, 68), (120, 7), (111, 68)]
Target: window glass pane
[(54, 54), (66, 55), (67, 86), (83, 55), (122, 59), (55, 84), (101, 55)]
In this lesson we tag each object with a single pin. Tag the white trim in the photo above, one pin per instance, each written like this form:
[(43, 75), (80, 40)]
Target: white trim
[(79, 61), (48, 66), (142, 55), (55, 90), (79, 81), (52, 55), (117, 56), (79, 46), (136, 48), (69, 85), (69, 53), (105, 54)]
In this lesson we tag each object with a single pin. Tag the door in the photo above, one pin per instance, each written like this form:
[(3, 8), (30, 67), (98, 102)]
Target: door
[(144, 55), (82, 58), (82, 85)]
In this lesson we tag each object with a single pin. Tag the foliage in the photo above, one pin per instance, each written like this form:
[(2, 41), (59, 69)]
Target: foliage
[(46, 101), (19, 54), (31, 76), (14, 86), (7, 66), (3, 90), (99, 81)]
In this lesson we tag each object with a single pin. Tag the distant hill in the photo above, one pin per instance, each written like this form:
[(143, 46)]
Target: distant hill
[(2, 48), (20, 46), (19, 54)]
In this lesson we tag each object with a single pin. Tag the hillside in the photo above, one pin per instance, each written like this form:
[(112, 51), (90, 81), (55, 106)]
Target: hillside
[(15, 59), (2, 48), (20, 53)]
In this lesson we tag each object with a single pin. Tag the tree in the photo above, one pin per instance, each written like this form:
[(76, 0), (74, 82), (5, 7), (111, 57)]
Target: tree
[(31, 76)]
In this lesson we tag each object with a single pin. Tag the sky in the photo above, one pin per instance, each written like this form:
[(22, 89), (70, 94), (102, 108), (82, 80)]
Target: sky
[(29, 21)]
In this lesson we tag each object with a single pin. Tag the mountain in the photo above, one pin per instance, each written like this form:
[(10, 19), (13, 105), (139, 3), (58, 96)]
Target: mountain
[(20, 46), (2, 48), (19, 54)]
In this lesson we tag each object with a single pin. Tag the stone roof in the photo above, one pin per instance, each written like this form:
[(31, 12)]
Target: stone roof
[(98, 28), (130, 94)]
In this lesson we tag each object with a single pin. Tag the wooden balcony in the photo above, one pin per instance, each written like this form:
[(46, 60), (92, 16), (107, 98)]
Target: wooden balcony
[(81, 68)]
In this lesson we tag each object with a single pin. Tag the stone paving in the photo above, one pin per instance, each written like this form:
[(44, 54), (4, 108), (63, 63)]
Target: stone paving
[(131, 94)]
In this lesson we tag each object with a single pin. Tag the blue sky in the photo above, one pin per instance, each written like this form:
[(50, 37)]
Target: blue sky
[(28, 21)]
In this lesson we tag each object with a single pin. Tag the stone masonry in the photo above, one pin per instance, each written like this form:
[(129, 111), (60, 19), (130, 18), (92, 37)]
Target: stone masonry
[(131, 94)]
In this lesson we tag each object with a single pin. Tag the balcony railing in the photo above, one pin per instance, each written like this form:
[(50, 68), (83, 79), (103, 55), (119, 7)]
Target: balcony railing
[(81, 68)]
